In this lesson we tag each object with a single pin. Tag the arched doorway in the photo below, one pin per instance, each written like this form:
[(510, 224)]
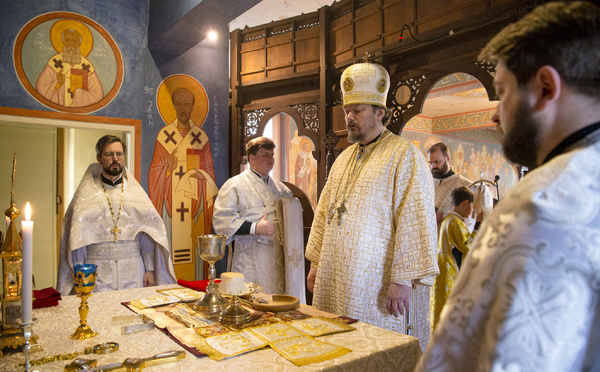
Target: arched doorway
[(458, 112), (294, 160)]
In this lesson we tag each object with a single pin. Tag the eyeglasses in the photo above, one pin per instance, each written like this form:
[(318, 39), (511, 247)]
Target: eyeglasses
[(110, 155)]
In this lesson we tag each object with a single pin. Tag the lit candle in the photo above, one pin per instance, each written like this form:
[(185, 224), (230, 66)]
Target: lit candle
[(27, 289)]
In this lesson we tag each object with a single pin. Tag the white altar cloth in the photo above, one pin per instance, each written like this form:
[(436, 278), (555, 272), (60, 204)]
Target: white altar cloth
[(373, 348)]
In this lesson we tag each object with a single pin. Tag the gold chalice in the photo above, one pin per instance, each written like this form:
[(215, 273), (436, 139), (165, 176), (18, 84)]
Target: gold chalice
[(84, 280), (211, 248)]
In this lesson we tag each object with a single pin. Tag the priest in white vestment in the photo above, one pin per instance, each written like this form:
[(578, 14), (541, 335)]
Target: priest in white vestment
[(111, 223), (245, 212), (527, 297), (445, 181), (372, 244)]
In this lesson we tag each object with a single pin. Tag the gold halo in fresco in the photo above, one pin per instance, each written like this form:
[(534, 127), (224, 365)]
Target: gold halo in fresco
[(305, 141), (25, 49), (165, 104), (87, 41)]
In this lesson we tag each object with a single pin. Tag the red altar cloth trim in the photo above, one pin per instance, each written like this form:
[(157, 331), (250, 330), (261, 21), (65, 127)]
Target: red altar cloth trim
[(198, 285), (46, 297), (346, 320)]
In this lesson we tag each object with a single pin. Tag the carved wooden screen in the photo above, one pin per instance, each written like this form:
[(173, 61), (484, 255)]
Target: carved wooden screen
[(284, 62), (280, 50)]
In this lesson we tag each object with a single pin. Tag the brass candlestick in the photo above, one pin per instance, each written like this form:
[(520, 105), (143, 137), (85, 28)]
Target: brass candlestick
[(27, 347), (211, 248), (12, 261), (84, 282)]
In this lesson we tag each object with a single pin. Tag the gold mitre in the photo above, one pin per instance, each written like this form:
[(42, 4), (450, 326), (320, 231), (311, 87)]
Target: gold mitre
[(366, 83)]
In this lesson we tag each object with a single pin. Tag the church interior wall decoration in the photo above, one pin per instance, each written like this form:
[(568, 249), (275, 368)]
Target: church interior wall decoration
[(68, 62), (181, 179)]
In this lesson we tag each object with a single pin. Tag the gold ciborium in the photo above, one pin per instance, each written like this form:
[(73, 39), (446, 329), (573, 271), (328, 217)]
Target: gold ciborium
[(84, 281), (211, 248)]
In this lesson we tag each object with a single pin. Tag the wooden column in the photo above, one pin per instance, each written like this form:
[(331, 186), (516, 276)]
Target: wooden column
[(236, 139), (324, 92)]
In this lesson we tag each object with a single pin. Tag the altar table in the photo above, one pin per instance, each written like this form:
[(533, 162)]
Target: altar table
[(373, 348)]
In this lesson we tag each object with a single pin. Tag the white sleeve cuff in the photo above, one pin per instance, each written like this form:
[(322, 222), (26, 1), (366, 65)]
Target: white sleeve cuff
[(253, 229)]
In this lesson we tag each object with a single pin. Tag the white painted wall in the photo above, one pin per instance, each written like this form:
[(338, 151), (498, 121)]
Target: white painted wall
[(35, 141), (35, 182)]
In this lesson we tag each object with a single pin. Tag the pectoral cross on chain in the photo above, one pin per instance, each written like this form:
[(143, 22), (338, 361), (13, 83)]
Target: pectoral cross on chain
[(341, 210), (115, 231)]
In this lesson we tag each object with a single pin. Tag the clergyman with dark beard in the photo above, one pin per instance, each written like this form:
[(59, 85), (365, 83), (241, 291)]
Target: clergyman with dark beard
[(69, 79), (526, 297), (445, 181), (112, 223)]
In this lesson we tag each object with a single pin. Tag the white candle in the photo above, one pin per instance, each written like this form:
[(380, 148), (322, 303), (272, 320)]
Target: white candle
[(27, 289)]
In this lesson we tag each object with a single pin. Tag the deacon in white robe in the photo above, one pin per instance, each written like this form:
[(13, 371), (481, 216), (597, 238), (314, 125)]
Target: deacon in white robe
[(141, 244), (242, 202)]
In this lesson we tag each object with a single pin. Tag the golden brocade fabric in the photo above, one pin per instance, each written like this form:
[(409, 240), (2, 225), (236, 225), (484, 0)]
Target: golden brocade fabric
[(388, 234), (230, 344), (287, 339), (453, 234), (304, 350), (294, 340), (319, 326)]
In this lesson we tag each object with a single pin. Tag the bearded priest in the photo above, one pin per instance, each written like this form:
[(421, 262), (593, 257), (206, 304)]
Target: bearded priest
[(372, 244), (111, 223)]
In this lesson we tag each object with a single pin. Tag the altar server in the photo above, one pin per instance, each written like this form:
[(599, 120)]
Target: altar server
[(453, 245)]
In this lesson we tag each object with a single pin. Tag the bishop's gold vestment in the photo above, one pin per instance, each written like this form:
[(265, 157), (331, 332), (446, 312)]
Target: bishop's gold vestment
[(387, 235)]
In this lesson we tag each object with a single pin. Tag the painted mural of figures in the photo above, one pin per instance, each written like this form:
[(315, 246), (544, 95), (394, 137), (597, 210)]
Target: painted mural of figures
[(68, 78), (305, 170), (181, 179)]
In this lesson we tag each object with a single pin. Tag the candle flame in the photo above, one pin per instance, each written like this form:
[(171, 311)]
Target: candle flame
[(27, 212)]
